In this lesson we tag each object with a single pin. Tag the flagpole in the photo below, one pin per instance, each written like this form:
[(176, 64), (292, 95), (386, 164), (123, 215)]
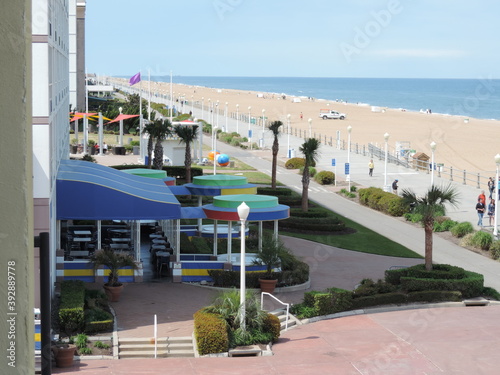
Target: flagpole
[(149, 96)]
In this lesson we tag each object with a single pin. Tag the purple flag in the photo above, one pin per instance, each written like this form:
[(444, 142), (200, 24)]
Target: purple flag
[(135, 79)]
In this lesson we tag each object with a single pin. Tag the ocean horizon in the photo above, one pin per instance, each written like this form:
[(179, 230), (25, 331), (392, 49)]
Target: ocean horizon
[(475, 98)]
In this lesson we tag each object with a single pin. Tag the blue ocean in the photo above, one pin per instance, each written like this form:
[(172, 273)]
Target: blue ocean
[(476, 98)]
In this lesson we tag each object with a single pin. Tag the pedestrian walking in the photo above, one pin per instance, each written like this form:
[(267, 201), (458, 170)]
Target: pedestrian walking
[(491, 186), (491, 210), (480, 212), (370, 168), (395, 186), (482, 198)]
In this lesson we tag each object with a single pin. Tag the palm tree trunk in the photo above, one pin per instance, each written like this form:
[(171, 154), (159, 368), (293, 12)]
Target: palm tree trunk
[(150, 151), (187, 162), (428, 229), (158, 160), (305, 189), (275, 150)]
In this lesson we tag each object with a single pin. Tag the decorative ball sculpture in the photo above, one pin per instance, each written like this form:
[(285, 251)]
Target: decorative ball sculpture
[(211, 155), (223, 160)]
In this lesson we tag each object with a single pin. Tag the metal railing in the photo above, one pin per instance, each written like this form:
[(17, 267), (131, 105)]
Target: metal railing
[(277, 300)]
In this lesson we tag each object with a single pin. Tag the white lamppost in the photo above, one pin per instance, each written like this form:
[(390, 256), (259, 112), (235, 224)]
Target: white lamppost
[(217, 113), (225, 114), (121, 127), (237, 119), (349, 129), (433, 148), (202, 106), (386, 138), (210, 116), (192, 104), (243, 211), (495, 229), (288, 136), (263, 125), (214, 143), (310, 127)]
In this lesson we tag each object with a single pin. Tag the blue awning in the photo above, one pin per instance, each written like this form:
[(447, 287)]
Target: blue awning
[(193, 213), (90, 191)]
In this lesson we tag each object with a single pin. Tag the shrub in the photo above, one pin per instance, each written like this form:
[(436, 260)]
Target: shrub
[(495, 249), (278, 192), (461, 229), (471, 285), (434, 296), (379, 299), (325, 178), (101, 345), (71, 316), (301, 311), (272, 325), (295, 163), (466, 240), (210, 332), (312, 171), (448, 224), (382, 201), (98, 320), (482, 240), (80, 340)]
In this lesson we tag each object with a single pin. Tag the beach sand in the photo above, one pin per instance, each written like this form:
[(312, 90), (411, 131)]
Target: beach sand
[(463, 143)]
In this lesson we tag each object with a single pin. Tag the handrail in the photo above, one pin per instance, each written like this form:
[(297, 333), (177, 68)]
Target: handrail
[(277, 300)]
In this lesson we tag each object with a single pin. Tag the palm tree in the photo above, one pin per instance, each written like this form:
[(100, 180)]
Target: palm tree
[(149, 129), (274, 127), (161, 129), (310, 150), (428, 205), (187, 135)]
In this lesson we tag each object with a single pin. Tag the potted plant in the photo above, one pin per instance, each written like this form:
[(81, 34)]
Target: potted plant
[(270, 256), (63, 353), (114, 262)]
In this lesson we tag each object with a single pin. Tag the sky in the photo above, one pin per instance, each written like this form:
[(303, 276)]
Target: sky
[(294, 38)]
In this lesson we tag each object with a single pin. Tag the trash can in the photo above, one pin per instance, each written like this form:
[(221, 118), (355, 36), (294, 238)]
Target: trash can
[(119, 150), (136, 150)]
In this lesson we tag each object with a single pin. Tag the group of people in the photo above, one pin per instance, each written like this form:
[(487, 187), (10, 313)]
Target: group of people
[(370, 173), (481, 208)]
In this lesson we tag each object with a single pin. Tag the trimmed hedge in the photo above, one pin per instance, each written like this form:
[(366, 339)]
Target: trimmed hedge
[(71, 309), (434, 296), (383, 201), (210, 331), (471, 286), (172, 171), (278, 192), (329, 302), (379, 299), (322, 224), (98, 320), (439, 271)]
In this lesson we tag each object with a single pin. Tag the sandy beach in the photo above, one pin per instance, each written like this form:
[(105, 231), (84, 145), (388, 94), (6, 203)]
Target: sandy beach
[(463, 143)]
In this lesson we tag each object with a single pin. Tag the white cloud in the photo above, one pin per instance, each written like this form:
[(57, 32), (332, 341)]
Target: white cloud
[(426, 53)]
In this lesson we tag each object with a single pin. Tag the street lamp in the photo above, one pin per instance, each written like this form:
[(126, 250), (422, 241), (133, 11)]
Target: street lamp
[(310, 127), (243, 211), (121, 127), (263, 125), (217, 113), (225, 111), (497, 161), (237, 119), (386, 138), (202, 105), (433, 148), (349, 129), (288, 131), (214, 144), (249, 121)]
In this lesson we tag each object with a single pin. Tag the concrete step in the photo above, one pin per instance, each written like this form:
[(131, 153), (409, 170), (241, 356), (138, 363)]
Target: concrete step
[(145, 348), (160, 354), (281, 314)]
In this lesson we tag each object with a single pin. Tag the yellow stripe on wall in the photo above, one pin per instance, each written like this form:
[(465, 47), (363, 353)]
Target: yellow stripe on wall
[(83, 272), (193, 272), (38, 337), (251, 190)]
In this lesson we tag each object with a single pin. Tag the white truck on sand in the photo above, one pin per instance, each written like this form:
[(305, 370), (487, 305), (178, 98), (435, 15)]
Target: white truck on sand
[(331, 114)]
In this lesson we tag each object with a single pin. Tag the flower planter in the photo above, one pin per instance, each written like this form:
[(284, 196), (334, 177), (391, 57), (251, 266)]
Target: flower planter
[(267, 285), (64, 354), (113, 292)]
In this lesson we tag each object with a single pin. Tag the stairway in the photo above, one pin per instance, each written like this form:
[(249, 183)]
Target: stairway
[(281, 314), (167, 347)]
